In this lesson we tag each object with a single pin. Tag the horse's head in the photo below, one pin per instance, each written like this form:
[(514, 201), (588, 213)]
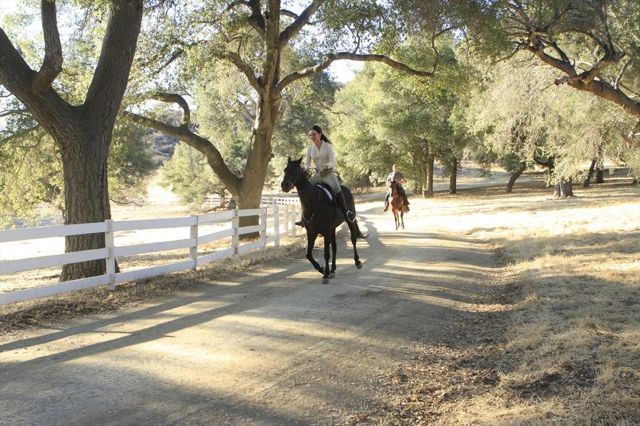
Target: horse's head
[(292, 173), (394, 187)]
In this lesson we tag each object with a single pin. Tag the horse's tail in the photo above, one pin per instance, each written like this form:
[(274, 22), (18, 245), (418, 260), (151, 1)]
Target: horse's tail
[(359, 233)]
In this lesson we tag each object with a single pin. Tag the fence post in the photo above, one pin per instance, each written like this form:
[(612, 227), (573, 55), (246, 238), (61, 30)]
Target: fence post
[(235, 239), (293, 221), (263, 226), (276, 224), (193, 250), (286, 219), (111, 259)]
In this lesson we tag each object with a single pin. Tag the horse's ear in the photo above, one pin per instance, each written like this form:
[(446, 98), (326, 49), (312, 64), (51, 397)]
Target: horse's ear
[(289, 159), (300, 160)]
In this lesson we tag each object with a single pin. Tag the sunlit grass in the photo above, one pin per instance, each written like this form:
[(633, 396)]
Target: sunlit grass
[(572, 337)]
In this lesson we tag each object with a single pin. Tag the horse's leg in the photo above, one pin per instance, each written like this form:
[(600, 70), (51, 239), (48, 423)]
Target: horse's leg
[(311, 240), (327, 253), (402, 217), (356, 258), (334, 249)]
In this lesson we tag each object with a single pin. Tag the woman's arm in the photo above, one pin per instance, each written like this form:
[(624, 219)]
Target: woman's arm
[(332, 156), (307, 160)]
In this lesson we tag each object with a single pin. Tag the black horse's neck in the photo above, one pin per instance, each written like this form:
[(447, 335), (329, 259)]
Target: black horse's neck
[(308, 197)]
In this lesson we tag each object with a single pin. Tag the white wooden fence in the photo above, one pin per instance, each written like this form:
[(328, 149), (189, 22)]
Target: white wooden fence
[(274, 221), (216, 201)]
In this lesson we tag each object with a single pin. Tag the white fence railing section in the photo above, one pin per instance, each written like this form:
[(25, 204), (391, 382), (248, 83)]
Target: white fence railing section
[(276, 219)]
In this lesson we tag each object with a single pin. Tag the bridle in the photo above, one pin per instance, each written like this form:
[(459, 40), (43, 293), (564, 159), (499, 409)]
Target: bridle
[(293, 180)]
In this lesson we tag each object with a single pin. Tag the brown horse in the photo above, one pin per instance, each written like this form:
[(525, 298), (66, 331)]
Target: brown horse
[(397, 205)]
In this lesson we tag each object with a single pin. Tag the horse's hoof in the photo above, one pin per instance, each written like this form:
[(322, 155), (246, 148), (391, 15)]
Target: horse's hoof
[(358, 264), (332, 275), (325, 280)]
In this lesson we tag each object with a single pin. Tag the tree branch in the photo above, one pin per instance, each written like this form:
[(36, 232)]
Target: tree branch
[(537, 48), (290, 14), (616, 83), (52, 63), (296, 26), (118, 47), (297, 75), (13, 112), (204, 146), (15, 73), (603, 63), (246, 69), (178, 99), (256, 20)]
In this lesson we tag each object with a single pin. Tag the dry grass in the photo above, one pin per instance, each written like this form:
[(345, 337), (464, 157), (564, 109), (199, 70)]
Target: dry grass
[(566, 348)]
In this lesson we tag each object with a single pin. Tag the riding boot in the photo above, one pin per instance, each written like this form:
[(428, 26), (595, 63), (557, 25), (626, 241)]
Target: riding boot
[(299, 223), (386, 202), (342, 203)]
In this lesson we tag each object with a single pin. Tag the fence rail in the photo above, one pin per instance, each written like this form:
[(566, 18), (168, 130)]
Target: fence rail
[(274, 220)]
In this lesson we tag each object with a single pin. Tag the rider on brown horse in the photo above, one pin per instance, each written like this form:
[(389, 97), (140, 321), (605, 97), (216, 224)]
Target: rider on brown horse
[(395, 175)]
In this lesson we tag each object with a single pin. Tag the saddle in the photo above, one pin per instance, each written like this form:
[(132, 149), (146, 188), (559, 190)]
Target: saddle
[(328, 192)]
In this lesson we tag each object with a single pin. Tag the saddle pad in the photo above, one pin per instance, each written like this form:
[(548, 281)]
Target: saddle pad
[(326, 191)]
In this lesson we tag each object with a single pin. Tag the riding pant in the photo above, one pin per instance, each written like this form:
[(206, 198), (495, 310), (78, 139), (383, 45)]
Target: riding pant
[(329, 177)]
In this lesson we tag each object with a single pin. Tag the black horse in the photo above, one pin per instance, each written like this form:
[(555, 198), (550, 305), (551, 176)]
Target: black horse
[(320, 216)]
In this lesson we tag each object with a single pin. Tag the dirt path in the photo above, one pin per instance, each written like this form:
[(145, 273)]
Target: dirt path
[(276, 347)]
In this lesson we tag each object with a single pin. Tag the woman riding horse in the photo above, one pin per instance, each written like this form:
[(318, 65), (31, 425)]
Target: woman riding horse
[(324, 159), (320, 216)]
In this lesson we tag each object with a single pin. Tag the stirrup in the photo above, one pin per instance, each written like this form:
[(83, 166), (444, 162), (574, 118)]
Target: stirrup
[(299, 223)]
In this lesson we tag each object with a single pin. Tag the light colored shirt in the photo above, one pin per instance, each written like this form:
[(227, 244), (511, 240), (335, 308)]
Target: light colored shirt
[(323, 158), (397, 176)]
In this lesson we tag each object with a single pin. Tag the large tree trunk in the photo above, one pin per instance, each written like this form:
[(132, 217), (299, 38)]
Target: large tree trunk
[(423, 180), (563, 188), (249, 192), (600, 172), (83, 133), (430, 163), (84, 162), (587, 180), (514, 176), (453, 177)]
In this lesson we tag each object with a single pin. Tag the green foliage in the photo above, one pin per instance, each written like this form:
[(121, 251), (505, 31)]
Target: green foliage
[(130, 162), (31, 170), (30, 174), (189, 175), (524, 119), (387, 117)]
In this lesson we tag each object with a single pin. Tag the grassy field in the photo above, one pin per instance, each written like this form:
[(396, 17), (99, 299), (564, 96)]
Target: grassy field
[(556, 336)]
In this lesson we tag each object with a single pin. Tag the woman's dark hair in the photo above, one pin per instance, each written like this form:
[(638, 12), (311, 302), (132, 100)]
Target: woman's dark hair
[(318, 130)]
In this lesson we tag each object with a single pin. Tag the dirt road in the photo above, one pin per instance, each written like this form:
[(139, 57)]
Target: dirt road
[(274, 347)]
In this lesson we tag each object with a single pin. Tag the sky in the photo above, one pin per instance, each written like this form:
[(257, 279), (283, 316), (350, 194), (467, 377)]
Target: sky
[(7, 6), (344, 70)]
